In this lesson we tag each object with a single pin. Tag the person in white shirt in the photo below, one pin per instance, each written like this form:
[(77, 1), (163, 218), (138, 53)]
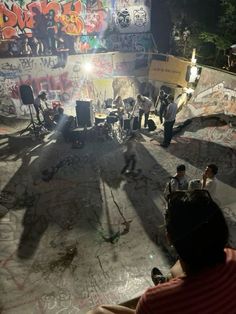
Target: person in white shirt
[(209, 180), (170, 115), (178, 182), (144, 104)]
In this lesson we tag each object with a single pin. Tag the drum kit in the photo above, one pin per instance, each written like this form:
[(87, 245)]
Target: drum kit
[(112, 116)]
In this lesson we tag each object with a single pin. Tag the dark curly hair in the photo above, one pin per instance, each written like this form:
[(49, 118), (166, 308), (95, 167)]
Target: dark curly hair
[(197, 228)]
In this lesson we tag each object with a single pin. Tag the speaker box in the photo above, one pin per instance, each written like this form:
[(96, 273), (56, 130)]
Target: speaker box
[(84, 113), (26, 94)]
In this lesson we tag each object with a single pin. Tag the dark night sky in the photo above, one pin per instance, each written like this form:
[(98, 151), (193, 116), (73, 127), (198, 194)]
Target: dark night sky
[(161, 25)]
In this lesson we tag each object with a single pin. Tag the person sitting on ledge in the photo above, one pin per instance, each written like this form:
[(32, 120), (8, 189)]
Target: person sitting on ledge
[(205, 276)]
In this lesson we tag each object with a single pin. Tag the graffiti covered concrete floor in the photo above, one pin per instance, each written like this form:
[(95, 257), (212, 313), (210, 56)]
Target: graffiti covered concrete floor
[(87, 235), (84, 237)]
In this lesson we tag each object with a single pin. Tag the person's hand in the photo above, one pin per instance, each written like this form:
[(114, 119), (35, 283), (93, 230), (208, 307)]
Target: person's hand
[(204, 176)]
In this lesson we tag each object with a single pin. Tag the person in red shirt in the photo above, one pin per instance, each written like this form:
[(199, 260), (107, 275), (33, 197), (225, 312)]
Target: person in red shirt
[(206, 279), (205, 276)]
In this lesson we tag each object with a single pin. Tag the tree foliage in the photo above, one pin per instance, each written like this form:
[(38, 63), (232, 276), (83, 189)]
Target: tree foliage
[(212, 24)]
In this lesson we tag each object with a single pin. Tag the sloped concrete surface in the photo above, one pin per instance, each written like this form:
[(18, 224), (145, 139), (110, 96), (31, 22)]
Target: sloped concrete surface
[(89, 235)]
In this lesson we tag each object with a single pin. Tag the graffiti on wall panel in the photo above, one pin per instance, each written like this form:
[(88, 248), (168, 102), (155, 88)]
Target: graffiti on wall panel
[(215, 94), (48, 82), (132, 19), (65, 85), (46, 27), (130, 42)]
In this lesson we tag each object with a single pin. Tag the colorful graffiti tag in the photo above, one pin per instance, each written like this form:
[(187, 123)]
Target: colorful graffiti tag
[(215, 94), (48, 27), (66, 84)]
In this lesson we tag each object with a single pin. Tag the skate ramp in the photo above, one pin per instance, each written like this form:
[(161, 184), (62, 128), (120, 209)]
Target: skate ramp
[(215, 94)]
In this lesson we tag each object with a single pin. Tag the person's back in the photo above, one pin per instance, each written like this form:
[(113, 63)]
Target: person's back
[(171, 111), (212, 291)]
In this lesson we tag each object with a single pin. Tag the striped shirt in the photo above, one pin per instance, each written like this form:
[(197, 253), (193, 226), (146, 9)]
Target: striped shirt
[(213, 291)]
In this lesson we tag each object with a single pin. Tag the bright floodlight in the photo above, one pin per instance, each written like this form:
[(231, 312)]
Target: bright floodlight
[(87, 67)]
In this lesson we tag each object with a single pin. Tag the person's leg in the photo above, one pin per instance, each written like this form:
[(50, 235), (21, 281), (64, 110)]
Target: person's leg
[(141, 112), (161, 113), (165, 133), (146, 119), (111, 309), (169, 132), (132, 304)]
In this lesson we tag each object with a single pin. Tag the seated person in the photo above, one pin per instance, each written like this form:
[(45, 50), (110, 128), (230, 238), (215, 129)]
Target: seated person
[(59, 115), (197, 229)]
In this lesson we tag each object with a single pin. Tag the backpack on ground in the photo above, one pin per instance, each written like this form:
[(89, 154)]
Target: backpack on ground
[(151, 125)]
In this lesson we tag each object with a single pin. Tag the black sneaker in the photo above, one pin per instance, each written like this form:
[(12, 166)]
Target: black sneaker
[(157, 276), (164, 145)]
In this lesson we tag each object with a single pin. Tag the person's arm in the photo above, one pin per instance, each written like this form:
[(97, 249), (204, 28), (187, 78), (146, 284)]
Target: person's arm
[(142, 307), (177, 270), (134, 108), (174, 185), (111, 309), (168, 112), (204, 178)]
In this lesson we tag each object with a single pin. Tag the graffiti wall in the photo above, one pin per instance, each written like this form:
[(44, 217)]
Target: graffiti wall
[(169, 69), (215, 94), (47, 27), (90, 76)]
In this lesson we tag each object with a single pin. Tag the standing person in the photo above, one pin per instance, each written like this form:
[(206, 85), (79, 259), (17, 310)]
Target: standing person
[(209, 180), (164, 104), (118, 103), (40, 104), (169, 121), (178, 182), (130, 154), (144, 104)]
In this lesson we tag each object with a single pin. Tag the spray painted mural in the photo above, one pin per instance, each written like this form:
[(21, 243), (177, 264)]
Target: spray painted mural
[(90, 76), (215, 94), (46, 27)]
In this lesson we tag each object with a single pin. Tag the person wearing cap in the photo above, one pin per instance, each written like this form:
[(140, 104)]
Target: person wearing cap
[(40, 104)]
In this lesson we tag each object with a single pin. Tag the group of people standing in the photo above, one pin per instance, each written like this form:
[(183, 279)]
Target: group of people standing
[(180, 182), (143, 106)]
